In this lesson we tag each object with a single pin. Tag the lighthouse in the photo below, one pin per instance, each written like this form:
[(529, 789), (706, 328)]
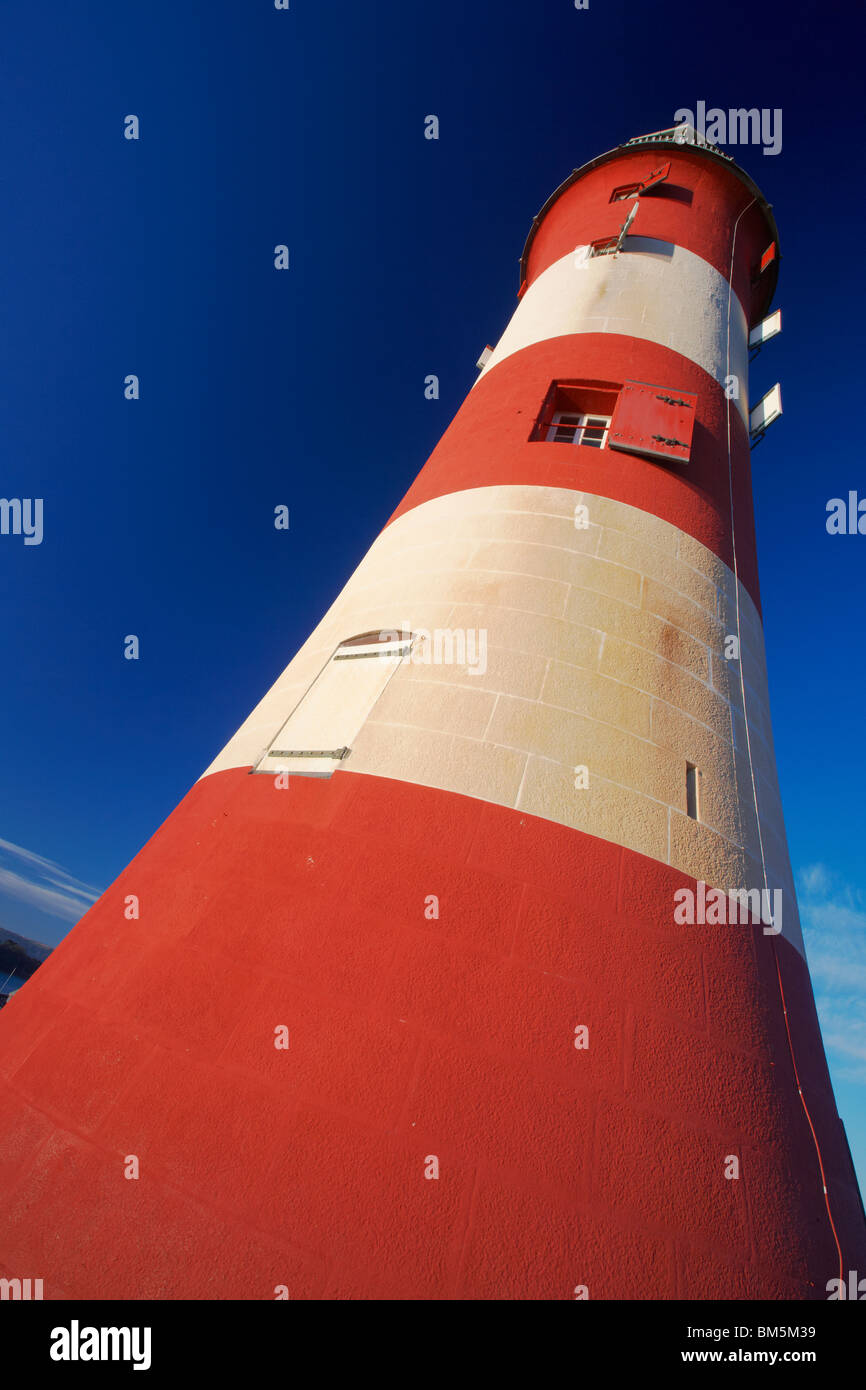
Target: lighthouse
[(471, 966)]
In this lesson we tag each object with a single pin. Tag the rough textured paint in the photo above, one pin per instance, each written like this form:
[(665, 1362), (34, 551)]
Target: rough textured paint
[(434, 952), (652, 290), (489, 442), (604, 647), (411, 1036), (695, 208)]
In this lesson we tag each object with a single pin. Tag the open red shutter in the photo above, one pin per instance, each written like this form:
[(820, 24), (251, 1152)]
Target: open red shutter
[(658, 177), (769, 256), (656, 421), (633, 190), (603, 244), (765, 262)]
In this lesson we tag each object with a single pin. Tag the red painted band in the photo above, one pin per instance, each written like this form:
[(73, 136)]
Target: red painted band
[(432, 958), (696, 207), (488, 443)]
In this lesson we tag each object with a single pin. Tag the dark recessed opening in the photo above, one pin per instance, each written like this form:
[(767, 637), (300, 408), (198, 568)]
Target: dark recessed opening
[(692, 795)]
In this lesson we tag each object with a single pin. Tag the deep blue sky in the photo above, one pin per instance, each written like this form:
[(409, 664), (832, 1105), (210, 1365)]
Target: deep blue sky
[(306, 388)]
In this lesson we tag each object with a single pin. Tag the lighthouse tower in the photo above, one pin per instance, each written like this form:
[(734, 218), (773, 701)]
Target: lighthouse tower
[(471, 967)]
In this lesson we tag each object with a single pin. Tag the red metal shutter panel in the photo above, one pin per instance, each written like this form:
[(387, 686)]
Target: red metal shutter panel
[(658, 177), (768, 257), (656, 421)]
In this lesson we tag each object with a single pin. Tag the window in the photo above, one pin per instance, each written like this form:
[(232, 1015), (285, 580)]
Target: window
[(321, 728), (613, 243), (579, 429), (634, 190), (604, 246), (692, 791), (576, 412), (655, 421), (626, 190)]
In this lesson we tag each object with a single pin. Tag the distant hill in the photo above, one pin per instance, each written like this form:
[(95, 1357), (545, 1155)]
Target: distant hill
[(20, 954)]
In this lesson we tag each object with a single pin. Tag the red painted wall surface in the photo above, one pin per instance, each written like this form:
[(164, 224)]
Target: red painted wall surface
[(488, 443), (411, 1037), (696, 207)]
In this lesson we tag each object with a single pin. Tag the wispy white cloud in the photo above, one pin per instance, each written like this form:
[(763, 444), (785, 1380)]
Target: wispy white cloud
[(834, 926), (30, 878), (814, 879)]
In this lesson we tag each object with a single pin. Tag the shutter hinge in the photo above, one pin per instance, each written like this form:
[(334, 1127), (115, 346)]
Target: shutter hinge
[(307, 752)]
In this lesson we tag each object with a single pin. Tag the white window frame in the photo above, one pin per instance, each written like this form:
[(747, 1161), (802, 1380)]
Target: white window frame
[(634, 191), (571, 419)]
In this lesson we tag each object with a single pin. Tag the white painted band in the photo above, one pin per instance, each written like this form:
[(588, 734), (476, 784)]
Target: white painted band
[(550, 636), (651, 290)]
